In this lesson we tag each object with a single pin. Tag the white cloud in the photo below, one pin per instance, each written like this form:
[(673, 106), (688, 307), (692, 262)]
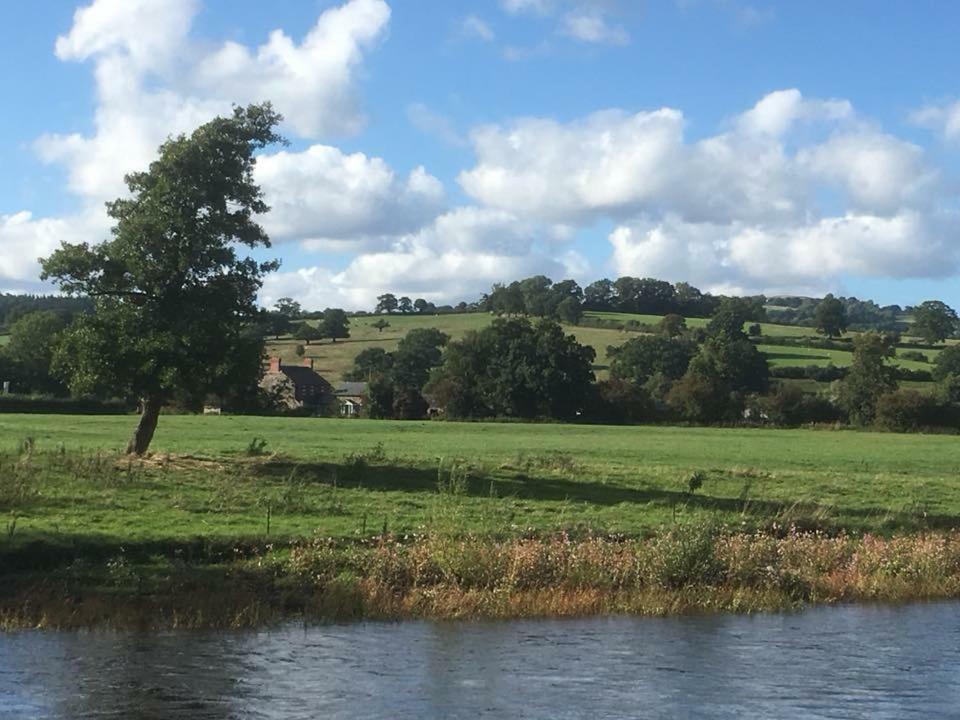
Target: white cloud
[(944, 119), (796, 193), (590, 26), (322, 196), (24, 239), (153, 81), (880, 173), (561, 173), (474, 26), (458, 257)]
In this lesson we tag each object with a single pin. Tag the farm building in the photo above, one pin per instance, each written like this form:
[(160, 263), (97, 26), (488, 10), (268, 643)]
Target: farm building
[(297, 386), (350, 398)]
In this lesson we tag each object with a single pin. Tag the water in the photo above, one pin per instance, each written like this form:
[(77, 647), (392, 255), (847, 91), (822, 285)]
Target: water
[(841, 662)]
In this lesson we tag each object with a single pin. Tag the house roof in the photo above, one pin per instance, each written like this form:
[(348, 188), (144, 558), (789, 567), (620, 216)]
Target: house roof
[(350, 388), (302, 376)]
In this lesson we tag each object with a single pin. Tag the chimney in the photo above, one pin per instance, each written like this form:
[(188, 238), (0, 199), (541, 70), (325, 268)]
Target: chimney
[(275, 364), (308, 362)]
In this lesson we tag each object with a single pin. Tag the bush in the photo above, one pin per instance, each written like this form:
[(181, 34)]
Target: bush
[(790, 406), (914, 355), (909, 410)]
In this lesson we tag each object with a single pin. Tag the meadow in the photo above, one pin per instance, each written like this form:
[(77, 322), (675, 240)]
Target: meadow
[(244, 520)]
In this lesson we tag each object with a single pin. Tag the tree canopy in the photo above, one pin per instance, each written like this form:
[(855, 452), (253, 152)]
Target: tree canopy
[(174, 300), (831, 317), (934, 321)]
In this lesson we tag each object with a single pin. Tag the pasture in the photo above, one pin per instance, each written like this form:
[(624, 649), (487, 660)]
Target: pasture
[(221, 477)]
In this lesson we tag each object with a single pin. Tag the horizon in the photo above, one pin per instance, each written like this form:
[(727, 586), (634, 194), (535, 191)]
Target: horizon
[(744, 147)]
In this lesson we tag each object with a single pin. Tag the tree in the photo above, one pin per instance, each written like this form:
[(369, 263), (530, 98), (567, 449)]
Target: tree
[(405, 305), (417, 353), (380, 325), (423, 307), (934, 321), (673, 325), (515, 369), (307, 333), (570, 311), (869, 376), (33, 339), (174, 301), (947, 363), (288, 307), (599, 295), (371, 363), (638, 359), (335, 324), (386, 303), (830, 317)]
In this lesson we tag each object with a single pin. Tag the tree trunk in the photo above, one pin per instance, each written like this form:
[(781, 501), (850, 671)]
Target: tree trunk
[(149, 415)]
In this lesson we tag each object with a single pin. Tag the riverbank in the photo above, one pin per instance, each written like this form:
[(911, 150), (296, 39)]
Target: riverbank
[(326, 519), (686, 569)]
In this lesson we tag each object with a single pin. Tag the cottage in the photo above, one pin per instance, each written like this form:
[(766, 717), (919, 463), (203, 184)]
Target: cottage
[(350, 398), (296, 386)]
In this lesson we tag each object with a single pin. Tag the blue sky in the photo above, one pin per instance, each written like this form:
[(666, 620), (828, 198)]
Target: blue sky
[(438, 147)]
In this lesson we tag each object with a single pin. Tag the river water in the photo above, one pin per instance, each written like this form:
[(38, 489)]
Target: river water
[(836, 662)]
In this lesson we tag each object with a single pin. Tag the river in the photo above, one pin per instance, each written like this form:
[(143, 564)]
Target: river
[(830, 662)]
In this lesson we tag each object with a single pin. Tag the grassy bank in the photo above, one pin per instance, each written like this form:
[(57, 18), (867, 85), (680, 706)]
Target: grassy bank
[(215, 528), (686, 569)]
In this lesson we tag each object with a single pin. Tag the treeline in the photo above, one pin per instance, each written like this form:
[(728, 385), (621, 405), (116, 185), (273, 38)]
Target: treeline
[(860, 314), (13, 307), (519, 368)]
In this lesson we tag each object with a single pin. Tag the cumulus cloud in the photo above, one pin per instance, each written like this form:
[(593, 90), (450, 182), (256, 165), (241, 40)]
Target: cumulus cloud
[(460, 255), (796, 192), (24, 239), (322, 196), (944, 119), (153, 80)]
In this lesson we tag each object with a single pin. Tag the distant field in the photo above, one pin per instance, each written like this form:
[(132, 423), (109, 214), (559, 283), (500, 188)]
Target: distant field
[(618, 479), (4, 339), (333, 360)]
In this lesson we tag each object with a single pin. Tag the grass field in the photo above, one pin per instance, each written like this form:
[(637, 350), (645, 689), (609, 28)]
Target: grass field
[(350, 477), (357, 518)]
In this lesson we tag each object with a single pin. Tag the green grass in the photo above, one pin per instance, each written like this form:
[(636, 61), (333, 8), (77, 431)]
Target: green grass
[(514, 476)]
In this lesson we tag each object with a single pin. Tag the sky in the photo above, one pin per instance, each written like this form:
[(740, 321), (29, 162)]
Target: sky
[(438, 147)]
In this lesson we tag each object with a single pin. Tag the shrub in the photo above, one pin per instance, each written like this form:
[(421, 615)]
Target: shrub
[(905, 410), (914, 355)]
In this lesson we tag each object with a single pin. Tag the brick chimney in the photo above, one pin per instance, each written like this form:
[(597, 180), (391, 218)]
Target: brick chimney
[(308, 362), (275, 364)]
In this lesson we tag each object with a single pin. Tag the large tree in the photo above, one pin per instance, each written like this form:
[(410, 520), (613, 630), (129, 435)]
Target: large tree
[(869, 377), (934, 321), (830, 317), (174, 300), (335, 324)]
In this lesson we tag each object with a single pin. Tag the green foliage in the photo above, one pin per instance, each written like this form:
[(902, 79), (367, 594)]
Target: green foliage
[(33, 340), (387, 303), (869, 377), (380, 325), (934, 321), (641, 357), (947, 363), (307, 332), (175, 302), (830, 317), (673, 325), (334, 324), (513, 368)]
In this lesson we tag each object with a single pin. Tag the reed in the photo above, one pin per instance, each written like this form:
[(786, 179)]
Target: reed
[(692, 568)]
